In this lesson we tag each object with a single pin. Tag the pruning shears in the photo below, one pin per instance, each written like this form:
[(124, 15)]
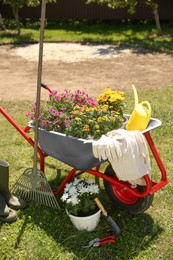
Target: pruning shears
[(100, 241)]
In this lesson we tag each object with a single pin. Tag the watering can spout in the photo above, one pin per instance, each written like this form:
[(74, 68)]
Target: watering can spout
[(141, 114), (135, 95)]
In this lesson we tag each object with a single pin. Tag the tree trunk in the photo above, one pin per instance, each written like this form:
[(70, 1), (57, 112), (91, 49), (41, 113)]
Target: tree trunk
[(16, 16), (2, 26), (157, 21)]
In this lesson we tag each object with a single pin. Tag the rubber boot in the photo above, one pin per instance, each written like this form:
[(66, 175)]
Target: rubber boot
[(12, 201), (12, 216), (4, 209)]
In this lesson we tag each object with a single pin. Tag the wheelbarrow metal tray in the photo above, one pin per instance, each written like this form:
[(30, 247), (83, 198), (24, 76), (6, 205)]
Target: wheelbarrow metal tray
[(153, 123), (69, 150)]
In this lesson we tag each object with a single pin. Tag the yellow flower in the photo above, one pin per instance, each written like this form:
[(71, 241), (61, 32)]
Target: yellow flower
[(105, 108), (99, 119), (97, 127), (112, 119), (107, 91), (76, 107), (102, 98), (77, 118), (116, 96), (86, 128)]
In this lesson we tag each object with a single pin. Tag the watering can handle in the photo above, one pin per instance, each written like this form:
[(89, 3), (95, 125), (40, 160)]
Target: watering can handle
[(147, 106)]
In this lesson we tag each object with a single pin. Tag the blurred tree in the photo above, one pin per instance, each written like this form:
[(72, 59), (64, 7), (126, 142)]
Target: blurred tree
[(131, 4), (2, 25), (17, 4)]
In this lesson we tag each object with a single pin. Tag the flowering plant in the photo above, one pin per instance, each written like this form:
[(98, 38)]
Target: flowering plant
[(77, 114), (78, 196)]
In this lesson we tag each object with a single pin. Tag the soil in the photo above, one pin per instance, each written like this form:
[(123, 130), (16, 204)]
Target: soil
[(78, 66)]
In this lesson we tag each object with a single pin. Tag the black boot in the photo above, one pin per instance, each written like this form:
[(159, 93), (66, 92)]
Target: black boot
[(6, 214), (4, 209), (12, 216), (12, 201)]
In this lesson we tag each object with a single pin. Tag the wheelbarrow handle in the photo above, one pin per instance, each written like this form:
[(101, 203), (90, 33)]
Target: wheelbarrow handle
[(43, 85)]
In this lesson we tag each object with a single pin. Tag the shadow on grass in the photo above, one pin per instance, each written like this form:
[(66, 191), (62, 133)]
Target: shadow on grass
[(138, 231), (14, 38)]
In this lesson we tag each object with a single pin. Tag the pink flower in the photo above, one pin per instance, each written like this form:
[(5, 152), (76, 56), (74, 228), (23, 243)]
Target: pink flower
[(43, 122), (39, 116), (57, 98), (91, 102), (58, 113), (53, 111), (53, 93)]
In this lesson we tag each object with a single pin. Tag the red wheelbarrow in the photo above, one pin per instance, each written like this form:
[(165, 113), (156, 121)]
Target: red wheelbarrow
[(134, 200)]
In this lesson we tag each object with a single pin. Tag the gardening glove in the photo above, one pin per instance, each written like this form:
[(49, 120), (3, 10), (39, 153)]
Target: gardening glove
[(143, 149), (130, 166), (117, 144), (99, 147)]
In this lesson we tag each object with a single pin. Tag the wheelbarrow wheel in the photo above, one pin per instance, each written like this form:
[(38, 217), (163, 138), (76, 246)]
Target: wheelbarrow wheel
[(123, 199)]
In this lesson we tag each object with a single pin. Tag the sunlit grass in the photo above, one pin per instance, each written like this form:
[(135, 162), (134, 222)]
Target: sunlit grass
[(135, 34), (42, 233)]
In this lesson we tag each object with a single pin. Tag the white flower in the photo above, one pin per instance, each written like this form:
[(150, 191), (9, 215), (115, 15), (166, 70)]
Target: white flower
[(79, 195), (93, 189), (89, 181), (64, 197), (68, 186), (72, 191), (76, 181), (83, 190), (74, 200)]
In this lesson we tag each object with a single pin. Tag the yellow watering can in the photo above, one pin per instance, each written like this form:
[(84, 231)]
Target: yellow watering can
[(140, 116)]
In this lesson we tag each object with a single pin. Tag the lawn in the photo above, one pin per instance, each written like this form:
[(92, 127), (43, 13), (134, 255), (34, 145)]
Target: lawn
[(133, 34), (44, 233)]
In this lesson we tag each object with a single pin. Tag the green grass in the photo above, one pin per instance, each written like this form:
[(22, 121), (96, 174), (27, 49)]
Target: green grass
[(135, 34), (43, 233)]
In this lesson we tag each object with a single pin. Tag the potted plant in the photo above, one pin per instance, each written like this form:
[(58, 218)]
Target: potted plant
[(78, 197), (79, 115), (69, 118)]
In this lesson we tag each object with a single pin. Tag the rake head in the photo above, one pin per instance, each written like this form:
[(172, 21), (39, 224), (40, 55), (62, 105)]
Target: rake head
[(33, 185)]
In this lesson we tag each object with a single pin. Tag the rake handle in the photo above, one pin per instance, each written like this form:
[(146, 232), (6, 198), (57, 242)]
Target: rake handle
[(39, 75)]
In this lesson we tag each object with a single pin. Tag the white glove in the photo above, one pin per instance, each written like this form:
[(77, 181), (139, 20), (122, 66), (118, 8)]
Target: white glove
[(99, 148)]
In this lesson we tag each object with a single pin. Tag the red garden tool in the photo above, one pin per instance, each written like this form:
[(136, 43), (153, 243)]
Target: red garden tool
[(100, 241)]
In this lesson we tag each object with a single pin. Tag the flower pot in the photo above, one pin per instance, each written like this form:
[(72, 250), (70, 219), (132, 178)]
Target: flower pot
[(88, 223)]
